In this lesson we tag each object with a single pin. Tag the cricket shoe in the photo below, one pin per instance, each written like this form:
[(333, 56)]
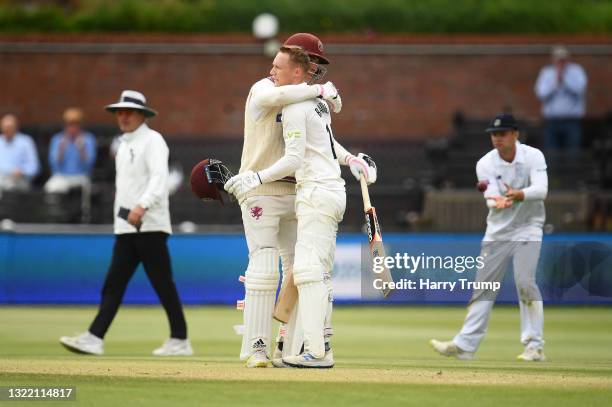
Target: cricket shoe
[(532, 355), (307, 360), (174, 347), (449, 348), (258, 359), (85, 343)]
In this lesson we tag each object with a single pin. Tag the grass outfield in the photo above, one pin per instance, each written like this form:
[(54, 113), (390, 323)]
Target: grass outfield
[(382, 358)]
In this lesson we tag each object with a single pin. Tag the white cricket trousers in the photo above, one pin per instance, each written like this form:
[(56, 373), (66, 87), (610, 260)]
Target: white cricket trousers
[(270, 229), (497, 256), (318, 211)]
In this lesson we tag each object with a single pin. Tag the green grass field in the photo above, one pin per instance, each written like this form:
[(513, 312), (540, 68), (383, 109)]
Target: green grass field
[(382, 358)]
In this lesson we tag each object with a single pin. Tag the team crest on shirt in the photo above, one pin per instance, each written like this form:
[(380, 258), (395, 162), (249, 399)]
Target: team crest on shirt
[(256, 212)]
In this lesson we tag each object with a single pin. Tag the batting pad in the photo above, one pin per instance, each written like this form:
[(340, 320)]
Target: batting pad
[(262, 273), (312, 309), (294, 332), (261, 282)]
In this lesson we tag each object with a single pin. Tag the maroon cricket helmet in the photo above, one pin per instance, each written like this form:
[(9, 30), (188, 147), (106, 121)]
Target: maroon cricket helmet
[(208, 178), (309, 43)]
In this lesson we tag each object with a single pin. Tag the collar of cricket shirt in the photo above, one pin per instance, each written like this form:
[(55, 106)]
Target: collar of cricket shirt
[(518, 158), (129, 137)]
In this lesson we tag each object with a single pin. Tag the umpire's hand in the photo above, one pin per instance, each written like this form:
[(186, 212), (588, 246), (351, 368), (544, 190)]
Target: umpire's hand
[(135, 215)]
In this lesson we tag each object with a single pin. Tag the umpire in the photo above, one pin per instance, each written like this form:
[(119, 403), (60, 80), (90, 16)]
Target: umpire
[(142, 227)]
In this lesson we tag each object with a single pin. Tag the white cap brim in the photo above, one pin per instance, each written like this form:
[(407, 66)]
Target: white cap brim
[(147, 111)]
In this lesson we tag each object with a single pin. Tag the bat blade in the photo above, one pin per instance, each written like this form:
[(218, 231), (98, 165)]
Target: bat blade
[(287, 297), (377, 248)]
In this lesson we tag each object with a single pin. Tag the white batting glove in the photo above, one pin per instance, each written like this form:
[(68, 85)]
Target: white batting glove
[(242, 183), (329, 93), (362, 164)]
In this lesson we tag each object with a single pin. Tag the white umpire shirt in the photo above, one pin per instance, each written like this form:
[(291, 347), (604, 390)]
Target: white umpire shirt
[(142, 179), (523, 221)]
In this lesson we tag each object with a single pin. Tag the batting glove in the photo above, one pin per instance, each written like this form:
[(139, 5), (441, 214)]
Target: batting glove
[(329, 93), (242, 183), (362, 164)]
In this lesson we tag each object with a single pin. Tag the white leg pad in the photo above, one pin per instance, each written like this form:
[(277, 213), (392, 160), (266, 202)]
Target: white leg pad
[(261, 283), (328, 315), (312, 310)]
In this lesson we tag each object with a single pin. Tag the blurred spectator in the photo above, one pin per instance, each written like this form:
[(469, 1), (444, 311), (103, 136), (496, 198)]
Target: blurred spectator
[(561, 87), (18, 157), (72, 155)]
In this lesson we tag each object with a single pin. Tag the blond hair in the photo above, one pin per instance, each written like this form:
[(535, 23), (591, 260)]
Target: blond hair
[(297, 56)]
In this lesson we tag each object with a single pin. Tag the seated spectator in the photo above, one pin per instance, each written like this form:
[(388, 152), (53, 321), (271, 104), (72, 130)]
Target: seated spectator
[(72, 154), (18, 157)]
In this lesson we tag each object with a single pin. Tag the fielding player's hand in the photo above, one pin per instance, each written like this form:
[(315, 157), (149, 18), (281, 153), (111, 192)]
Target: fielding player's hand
[(242, 183), (514, 194), (501, 202), (329, 93), (363, 164)]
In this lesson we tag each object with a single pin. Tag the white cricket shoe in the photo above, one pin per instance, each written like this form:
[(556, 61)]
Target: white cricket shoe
[(307, 360), (174, 347), (532, 355), (449, 348), (258, 359), (85, 343)]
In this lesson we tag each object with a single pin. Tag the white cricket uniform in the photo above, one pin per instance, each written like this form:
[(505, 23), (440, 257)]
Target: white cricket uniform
[(268, 212), (513, 234), (142, 174), (314, 155)]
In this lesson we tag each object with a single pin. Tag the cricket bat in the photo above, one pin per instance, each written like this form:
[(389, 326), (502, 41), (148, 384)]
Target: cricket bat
[(377, 249), (287, 297)]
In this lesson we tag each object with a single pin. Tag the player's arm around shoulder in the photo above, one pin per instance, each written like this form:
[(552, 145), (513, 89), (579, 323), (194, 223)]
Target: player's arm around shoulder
[(278, 96), (264, 95)]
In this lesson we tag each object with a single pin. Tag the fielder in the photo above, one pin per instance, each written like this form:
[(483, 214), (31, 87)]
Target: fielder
[(517, 185), (314, 156), (268, 212)]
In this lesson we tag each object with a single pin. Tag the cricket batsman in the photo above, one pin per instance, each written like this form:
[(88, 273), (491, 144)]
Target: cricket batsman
[(268, 212), (513, 177), (314, 156)]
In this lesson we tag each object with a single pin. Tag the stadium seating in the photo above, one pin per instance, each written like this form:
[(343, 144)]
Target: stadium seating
[(424, 186)]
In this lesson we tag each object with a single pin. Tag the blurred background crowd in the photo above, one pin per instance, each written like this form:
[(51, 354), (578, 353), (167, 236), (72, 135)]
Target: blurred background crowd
[(419, 80)]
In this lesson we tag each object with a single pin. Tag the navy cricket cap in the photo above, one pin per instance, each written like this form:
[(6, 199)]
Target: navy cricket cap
[(502, 122)]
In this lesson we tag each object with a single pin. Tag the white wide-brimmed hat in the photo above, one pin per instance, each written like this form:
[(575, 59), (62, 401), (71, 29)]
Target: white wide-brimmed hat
[(130, 99)]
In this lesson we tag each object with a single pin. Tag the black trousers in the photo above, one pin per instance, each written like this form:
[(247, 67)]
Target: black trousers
[(129, 251)]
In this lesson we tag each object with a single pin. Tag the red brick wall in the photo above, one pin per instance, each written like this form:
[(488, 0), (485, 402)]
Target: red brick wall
[(387, 97)]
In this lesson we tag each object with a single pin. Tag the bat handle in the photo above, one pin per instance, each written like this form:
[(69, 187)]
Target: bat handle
[(364, 193)]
